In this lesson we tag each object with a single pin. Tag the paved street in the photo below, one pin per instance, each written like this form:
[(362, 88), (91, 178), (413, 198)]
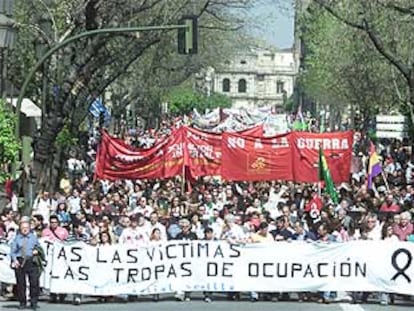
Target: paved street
[(196, 305)]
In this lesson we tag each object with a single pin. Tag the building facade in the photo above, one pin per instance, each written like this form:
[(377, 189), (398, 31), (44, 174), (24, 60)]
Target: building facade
[(257, 78)]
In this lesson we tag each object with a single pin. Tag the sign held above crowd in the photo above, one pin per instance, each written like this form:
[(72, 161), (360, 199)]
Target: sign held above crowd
[(246, 155)]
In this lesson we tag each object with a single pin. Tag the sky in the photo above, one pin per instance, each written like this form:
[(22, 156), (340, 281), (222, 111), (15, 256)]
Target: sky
[(272, 20)]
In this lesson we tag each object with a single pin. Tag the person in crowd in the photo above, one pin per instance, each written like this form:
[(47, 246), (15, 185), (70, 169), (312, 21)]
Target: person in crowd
[(404, 227), (388, 234), (63, 215), (390, 205), (301, 234), (105, 239), (208, 236), (187, 235), (8, 220), (372, 227), (24, 248), (155, 224), (142, 208), (54, 232), (74, 204), (262, 234), (43, 206), (156, 235), (282, 233), (38, 224), (137, 233), (196, 226), (325, 236), (122, 224)]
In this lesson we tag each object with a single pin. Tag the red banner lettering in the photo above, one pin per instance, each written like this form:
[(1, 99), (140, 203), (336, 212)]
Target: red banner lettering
[(254, 158), (338, 152)]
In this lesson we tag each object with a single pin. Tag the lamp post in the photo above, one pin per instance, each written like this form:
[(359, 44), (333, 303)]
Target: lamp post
[(7, 33)]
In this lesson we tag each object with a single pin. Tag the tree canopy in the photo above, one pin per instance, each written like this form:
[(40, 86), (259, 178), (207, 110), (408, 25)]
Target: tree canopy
[(9, 147), (182, 100), (387, 29), (342, 69), (138, 68)]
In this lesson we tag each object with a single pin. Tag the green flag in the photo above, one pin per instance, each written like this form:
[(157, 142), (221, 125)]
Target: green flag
[(325, 175)]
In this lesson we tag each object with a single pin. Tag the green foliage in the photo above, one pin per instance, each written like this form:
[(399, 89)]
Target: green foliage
[(183, 100), (9, 147), (137, 69), (380, 35), (342, 68), (65, 138)]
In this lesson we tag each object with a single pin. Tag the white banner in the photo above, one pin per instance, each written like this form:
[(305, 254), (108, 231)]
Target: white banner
[(7, 273), (222, 267)]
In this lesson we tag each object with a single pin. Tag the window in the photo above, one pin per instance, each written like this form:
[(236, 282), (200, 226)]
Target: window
[(226, 85), (260, 77), (243, 62), (280, 87), (242, 86)]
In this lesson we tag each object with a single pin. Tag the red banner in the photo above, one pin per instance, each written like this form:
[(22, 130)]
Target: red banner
[(235, 156), (202, 152), (256, 131), (338, 152), (117, 160), (254, 158)]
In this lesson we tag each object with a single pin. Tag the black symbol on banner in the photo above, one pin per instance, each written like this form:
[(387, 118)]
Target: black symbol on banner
[(401, 270)]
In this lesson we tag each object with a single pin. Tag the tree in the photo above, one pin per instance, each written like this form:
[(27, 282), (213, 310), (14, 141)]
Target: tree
[(9, 147), (183, 100), (342, 70), (389, 27), (85, 69)]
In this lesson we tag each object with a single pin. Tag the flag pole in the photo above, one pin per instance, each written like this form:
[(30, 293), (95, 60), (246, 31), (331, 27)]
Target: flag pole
[(385, 181), (319, 189), (183, 180)]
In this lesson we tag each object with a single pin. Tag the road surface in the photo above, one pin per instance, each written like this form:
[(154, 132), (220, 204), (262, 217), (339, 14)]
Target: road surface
[(197, 304)]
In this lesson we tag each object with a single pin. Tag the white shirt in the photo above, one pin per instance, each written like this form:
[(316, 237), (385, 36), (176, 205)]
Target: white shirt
[(134, 236), (74, 205), (375, 234), (235, 233), (42, 207), (146, 211), (217, 227)]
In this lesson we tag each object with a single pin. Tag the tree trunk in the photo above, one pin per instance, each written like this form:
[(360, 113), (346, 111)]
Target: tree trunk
[(45, 152), (3, 198)]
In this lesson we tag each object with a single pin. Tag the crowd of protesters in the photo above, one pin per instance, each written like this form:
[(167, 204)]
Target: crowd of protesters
[(140, 211)]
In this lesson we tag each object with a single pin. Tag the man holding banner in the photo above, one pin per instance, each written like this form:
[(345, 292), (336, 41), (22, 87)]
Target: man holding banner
[(24, 249)]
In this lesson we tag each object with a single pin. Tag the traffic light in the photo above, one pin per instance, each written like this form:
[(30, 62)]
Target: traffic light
[(188, 37)]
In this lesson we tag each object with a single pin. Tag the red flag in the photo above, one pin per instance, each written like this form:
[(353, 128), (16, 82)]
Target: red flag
[(202, 152), (248, 158), (337, 148), (117, 160), (314, 204)]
